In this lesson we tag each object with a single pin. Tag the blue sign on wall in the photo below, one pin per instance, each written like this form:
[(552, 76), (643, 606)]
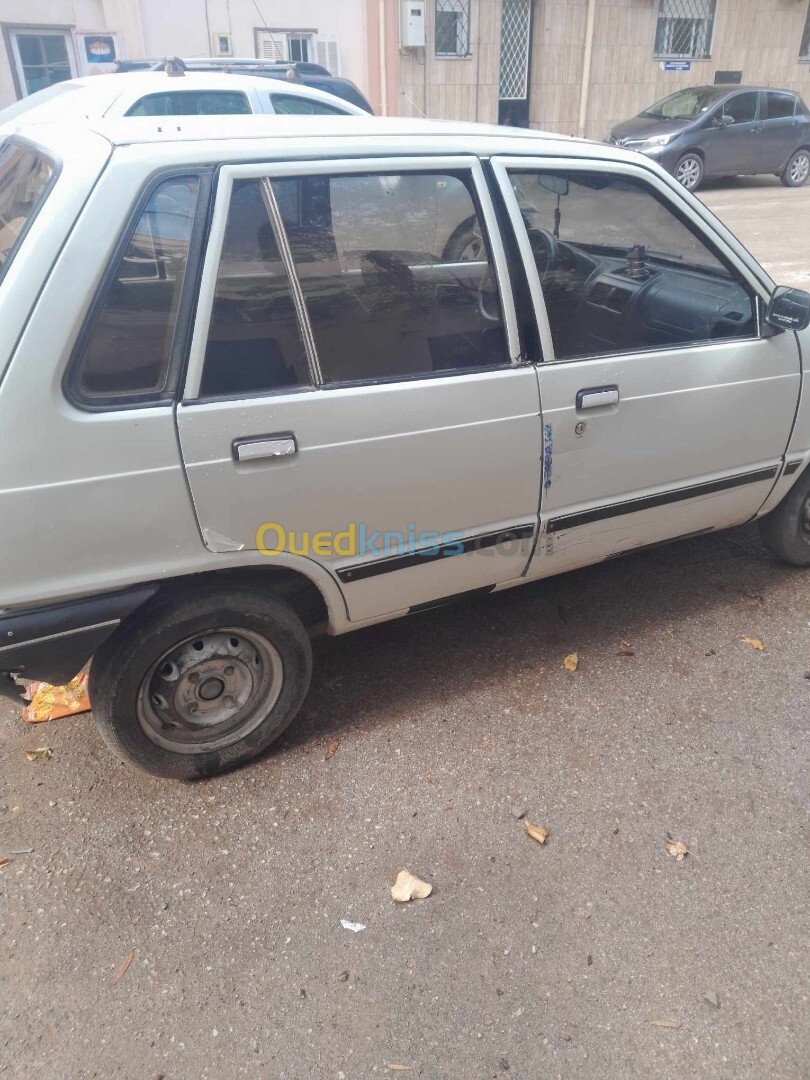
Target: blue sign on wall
[(677, 65)]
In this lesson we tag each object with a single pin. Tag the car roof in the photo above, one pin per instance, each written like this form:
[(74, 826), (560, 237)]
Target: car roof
[(728, 88), (225, 139)]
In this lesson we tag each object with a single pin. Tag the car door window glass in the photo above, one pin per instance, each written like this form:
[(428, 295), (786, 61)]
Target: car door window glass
[(742, 109), (295, 105), (254, 339), (191, 103), (778, 106), (396, 273), (620, 271), (128, 346)]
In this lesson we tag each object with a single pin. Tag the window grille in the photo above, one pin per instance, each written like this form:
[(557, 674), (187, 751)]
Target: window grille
[(452, 27), (516, 19), (804, 48), (685, 28)]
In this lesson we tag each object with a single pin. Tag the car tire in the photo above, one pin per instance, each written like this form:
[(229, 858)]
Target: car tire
[(198, 683), (786, 530), (689, 171), (797, 170)]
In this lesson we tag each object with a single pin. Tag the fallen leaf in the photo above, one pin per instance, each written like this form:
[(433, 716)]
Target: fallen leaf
[(123, 967), (571, 662), (666, 1023), (536, 832), (333, 747), (398, 1068), (626, 652), (712, 999), (677, 848), (355, 927), (409, 887), (42, 753), (4, 862), (755, 643)]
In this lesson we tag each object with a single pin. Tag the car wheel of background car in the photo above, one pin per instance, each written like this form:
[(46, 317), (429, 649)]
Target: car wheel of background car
[(195, 684), (786, 530), (797, 170), (689, 171)]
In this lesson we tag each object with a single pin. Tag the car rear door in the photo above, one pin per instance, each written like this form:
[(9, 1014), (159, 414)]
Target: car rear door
[(355, 393), (666, 412), (781, 130)]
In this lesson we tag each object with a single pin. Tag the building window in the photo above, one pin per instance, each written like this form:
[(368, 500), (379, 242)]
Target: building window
[(41, 58), (804, 50), (452, 27), (685, 28)]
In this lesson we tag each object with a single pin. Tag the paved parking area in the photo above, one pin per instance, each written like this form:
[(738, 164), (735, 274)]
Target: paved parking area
[(598, 955)]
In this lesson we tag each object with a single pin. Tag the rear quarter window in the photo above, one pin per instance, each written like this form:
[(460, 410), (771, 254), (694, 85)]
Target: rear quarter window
[(294, 105), (25, 180), (192, 103)]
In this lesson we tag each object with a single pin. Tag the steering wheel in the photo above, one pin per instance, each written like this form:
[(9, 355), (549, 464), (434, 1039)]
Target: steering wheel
[(545, 248)]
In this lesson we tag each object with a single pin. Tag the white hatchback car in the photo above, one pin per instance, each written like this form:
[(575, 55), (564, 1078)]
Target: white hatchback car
[(265, 376), (156, 93)]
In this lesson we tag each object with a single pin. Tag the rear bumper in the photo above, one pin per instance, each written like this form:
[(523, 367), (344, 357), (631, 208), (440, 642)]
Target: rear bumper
[(53, 643)]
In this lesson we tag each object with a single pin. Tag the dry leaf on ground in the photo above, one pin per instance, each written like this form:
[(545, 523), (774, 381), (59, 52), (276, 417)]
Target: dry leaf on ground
[(50, 702), (4, 862), (666, 1023), (677, 848), (409, 887), (571, 662), (755, 643), (124, 966), (332, 749), (626, 652), (42, 753), (536, 832)]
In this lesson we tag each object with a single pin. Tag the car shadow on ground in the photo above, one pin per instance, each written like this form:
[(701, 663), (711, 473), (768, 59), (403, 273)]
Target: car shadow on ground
[(432, 659)]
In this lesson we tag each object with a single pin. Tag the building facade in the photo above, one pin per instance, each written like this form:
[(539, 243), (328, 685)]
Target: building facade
[(46, 41), (571, 66), (580, 66)]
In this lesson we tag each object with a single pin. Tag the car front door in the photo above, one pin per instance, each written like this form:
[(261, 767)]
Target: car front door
[(781, 133), (666, 412), (733, 147), (355, 393)]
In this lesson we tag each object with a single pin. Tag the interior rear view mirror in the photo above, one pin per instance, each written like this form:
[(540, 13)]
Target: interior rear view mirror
[(557, 185), (788, 309)]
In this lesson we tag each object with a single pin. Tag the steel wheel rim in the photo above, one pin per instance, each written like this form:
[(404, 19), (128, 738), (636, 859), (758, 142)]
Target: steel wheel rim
[(799, 168), (688, 172), (210, 690)]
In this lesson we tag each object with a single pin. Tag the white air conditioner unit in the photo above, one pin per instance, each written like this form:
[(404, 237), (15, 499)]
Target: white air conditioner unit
[(412, 24)]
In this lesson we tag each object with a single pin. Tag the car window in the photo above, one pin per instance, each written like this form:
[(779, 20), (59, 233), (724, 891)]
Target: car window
[(687, 104), (742, 108), (777, 106), (127, 347), (254, 338), (293, 104), (620, 271), (396, 273), (191, 103), (24, 180)]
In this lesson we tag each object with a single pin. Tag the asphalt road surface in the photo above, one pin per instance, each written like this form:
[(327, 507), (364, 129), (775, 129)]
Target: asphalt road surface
[(598, 955)]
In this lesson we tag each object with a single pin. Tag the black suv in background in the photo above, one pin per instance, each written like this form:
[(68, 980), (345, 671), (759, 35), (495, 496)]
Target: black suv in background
[(705, 131), (294, 71)]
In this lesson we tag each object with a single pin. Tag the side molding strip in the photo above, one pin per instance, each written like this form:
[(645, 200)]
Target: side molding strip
[(632, 506), (428, 555)]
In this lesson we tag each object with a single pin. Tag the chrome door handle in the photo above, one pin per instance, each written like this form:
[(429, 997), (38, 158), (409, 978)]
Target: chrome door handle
[(264, 446), (595, 396)]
